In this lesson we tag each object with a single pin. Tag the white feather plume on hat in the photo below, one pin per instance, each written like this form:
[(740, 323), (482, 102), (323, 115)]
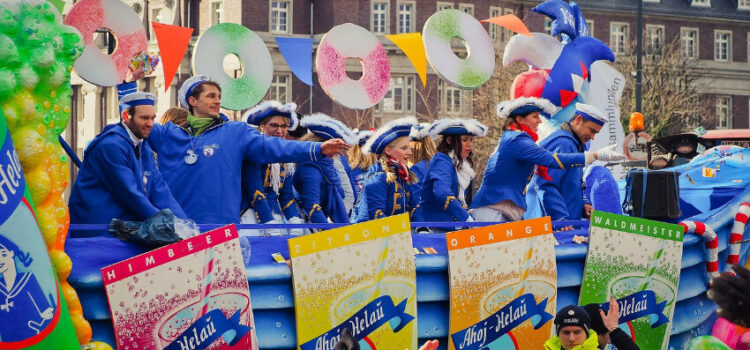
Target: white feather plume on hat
[(473, 127), (315, 120), (419, 131), (506, 108), (290, 108), (386, 129)]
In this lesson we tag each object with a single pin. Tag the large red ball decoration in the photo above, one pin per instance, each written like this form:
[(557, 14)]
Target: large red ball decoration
[(529, 83)]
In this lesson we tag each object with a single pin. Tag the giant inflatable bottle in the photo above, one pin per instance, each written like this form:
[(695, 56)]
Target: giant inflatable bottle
[(33, 313)]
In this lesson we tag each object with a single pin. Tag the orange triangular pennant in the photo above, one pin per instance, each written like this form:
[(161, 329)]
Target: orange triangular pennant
[(173, 43), (511, 22)]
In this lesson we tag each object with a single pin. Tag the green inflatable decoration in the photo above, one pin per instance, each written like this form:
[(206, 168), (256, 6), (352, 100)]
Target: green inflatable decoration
[(36, 55)]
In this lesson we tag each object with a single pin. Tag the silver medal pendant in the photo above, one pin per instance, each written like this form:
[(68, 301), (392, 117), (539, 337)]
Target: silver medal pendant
[(191, 157)]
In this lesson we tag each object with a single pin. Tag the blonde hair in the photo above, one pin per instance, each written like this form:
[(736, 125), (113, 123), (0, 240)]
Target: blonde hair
[(359, 160), (390, 176), (176, 115), (423, 149), (311, 137)]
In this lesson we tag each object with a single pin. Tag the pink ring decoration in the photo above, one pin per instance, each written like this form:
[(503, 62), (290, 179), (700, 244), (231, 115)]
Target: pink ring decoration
[(738, 230), (712, 245), (95, 66), (352, 41)]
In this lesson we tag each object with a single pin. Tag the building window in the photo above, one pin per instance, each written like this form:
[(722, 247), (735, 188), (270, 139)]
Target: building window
[(281, 88), (217, 12), (280, 16), (468, 8), (590, 24), (444, 5), (400, 96), (452, 99), (379, 20), (655, 35), (743, 5), (722, 45), (724, 112), (406, 17), (547, 25), (494, 28), (496, 31), (618, 37), (157, 17), (689, 41), (701, 3)]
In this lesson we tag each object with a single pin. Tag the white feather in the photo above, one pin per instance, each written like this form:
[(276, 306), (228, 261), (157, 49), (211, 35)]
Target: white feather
[(420, 131), (364, 134), (506, 107), (322, 119), (290, 108), (367, 148), (473, 126)]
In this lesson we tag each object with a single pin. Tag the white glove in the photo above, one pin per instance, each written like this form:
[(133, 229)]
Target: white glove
[(470, 219), (609, 154), (272, 231), (296, 231)]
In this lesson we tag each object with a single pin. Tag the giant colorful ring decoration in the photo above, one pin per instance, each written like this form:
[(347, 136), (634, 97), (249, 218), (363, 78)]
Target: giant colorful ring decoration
[(352, 41), (467, 73), (95, 66), (226, 39)]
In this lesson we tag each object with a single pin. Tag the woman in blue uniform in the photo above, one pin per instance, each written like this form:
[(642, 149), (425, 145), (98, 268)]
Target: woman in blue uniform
[(360, 163), (318, 183), (501, 197), (267, 188), (422, 150), (450, 172), (387, 189)]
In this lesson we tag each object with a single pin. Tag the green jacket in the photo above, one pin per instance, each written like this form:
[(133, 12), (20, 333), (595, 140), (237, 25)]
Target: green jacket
[(592, 343)]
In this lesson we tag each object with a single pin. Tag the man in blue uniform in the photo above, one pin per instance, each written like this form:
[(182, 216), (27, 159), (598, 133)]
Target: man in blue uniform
[(561, 191), (202, 160), (119, 177)]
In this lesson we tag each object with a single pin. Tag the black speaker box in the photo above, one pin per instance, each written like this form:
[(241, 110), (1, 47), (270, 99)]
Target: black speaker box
[(659, 200)]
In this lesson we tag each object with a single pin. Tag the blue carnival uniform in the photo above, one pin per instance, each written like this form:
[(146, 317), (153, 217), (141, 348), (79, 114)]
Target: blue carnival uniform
[(114, 182), (440, 192), (359, 176), (209, 189), (420, 171), (562, 198), (380, 198), (266, 202), (207, 186), (511, 167), (320, 194)]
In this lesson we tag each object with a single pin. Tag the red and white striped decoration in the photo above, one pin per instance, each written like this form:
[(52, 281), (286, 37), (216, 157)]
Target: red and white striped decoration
[(712, 245), (738, 230), (208, 269)]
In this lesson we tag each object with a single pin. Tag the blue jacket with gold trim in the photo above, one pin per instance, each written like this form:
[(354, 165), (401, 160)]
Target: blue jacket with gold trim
[(511, 167), (440, 191), (260, 195), (420, 170), (562, 198), (380, 198), (320, 194)]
